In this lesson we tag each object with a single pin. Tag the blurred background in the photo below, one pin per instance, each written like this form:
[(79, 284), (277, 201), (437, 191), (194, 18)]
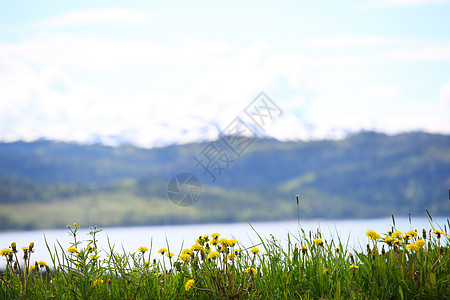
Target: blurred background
[(102, 103)]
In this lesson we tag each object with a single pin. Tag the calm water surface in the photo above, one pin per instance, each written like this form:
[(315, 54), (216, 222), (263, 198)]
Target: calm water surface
[(176, 237)]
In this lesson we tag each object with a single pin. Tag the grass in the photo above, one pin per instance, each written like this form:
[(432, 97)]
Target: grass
[(395, 265)]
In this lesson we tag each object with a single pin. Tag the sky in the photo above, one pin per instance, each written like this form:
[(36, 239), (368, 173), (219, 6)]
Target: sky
[(158, 72)]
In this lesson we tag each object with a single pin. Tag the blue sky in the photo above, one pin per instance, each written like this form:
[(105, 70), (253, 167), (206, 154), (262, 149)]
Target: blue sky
[(159, 72)]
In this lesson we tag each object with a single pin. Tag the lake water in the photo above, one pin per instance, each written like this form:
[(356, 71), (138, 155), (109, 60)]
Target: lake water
[(176, 237)]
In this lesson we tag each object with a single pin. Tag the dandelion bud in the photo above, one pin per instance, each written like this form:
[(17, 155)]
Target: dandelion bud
[(304, 249), (424, 234), (30, 247), (13, 247), (383, 251), (25, 253)]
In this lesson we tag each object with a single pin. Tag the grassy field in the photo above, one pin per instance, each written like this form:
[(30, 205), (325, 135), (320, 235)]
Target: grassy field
[(395, 265)]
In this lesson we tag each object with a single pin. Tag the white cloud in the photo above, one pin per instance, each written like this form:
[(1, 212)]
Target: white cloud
[(422, 53), (97, 16), (351, 41), (444, 95), (40, 96), (347, 75), (398, 3), (381, 91), (97, 53), (399, 49)]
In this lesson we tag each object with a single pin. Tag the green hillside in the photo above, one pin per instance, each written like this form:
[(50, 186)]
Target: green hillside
[(48, 184)]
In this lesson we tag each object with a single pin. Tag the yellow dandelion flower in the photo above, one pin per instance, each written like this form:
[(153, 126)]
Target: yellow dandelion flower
[(229, 243), (42, 264), (236, 250), (231, 256), (215, 235), (184, 257), (25, 249), (94, 256), (254, 250), (213, 254), (162, 251), (223, 241), (373, 235), (187, 251), (75, 224), (189, 284), (143, 249), (169, 254), (304, 249), (196, 247), (397, 234), (213, 242), (232, 242), (412, 247), (251, 270), (388, 240), (202, 239), (420, 243), (72, 250), (353, 267), (5, 252), (158, 274), (318, 241), (438, 233), (32, 268), (411, 233)]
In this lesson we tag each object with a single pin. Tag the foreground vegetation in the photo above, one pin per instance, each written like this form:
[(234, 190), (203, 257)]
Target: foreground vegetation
[(401, 265)]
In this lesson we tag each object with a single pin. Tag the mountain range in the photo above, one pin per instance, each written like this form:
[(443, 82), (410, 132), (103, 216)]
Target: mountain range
[(369, 174)]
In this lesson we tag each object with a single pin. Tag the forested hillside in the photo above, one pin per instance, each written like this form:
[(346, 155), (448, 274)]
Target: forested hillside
[(365, 175)]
